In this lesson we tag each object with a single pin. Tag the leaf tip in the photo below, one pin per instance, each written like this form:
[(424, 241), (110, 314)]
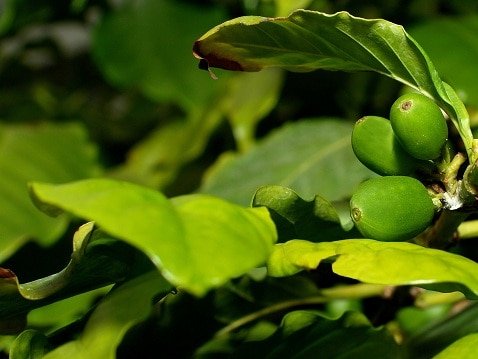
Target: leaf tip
[(6, 273), (206, 61)]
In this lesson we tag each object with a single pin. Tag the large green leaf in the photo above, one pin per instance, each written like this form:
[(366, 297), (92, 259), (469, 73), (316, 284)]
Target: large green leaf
[(309, 40), (147, 44), (458, 37), (243, 237), (47, 152), (308, 334), (182, 238), (302, 156), (387, 263), (125, 306)]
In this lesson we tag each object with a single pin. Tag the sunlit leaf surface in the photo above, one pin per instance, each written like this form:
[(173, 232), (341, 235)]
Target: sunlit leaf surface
[(197, 241), (399, 263)]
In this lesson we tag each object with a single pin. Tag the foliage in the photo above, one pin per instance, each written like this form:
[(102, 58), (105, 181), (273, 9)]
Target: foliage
[(149, 210)]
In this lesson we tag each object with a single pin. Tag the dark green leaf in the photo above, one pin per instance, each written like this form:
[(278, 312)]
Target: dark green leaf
[(30, 344), (66, 311), (302, 156), (399, 263), (147, 44), (307, 334), (123, 307), (437, 336)]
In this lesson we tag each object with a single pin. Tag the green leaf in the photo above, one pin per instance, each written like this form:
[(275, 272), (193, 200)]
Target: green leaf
[(157, 159), (437, 336), (130, 212), (295, 218), (464, 348), (304, 334), (374, 262), (181, 238), (457, 36), (302, 156), (156, 59), (65, 311), (31, 344), (413, 319), (96, 261), (309, 40), (243, 236), (47, 152), (125, 306)]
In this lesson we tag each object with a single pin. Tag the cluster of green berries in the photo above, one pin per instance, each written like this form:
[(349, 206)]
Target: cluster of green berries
[(397, 206)]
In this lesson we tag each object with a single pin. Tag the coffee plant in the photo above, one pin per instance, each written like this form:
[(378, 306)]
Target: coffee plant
[(313, 193)]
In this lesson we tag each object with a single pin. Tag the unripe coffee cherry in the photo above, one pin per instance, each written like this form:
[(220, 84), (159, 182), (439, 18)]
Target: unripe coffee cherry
[(392, 208), (419, 125), (377, 147)]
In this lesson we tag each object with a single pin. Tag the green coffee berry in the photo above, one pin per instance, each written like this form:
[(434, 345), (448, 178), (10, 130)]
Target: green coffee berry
[(376, 146), (392, 208), (419, 125)]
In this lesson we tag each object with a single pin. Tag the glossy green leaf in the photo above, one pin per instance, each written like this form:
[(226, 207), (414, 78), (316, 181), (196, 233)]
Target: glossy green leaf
[(306, 334), (457, 36), (302, 156), (48, 152), (310, 40), (464, 348), (96, 261), (181, 238), (125, 306), (243, 236), (316, 220), (400, 263), (31, 344), (147, 45)]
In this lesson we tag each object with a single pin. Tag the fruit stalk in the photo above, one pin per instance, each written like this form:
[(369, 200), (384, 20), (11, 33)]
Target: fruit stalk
[(443, 231)]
